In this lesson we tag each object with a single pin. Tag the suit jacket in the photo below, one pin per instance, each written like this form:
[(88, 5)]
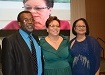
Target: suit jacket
[(0, 54), (16, 56)]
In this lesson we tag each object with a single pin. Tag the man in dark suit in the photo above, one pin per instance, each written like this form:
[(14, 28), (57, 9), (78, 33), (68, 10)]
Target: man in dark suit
[(0, 55), (16, 49)]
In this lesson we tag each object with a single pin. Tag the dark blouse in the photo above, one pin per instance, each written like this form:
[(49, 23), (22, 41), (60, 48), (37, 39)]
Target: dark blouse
[(86, 56)]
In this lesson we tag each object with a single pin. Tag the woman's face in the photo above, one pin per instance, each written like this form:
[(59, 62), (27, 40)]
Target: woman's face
[(80, 28), (54, 28), (39, 11)]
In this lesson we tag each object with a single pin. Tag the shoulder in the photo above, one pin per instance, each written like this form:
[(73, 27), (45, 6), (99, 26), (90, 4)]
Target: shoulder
[(72, 39), (93, 42), (12, 25), (91, 38), (72, 42), (64, 37), (42, 40), (14, 22), (11, 38)]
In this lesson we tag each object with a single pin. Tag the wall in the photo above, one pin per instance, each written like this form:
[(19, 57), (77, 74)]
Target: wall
[(95, 15), (77, 11)]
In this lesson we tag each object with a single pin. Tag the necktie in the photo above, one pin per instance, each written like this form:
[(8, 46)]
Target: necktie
[(33, 55)]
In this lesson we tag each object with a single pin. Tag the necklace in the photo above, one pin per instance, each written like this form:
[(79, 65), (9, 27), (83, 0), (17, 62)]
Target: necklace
[(55, 41)]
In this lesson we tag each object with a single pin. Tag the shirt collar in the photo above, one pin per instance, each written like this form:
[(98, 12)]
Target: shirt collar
[(23, 33)]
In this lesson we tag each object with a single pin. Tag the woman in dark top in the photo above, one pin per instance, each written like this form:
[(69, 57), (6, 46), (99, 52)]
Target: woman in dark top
[(85, 50)]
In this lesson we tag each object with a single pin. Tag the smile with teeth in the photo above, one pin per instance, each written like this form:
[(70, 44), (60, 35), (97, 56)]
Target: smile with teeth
[(30, 26)]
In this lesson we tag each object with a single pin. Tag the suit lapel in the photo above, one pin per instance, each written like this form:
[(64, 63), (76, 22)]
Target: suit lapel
[(22, 43)]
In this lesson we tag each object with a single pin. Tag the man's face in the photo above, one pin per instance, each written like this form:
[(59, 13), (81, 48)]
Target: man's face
[(27, 22), (39, 11)]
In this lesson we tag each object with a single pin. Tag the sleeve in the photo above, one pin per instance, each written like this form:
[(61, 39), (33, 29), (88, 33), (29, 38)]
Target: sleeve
[(0, 54), (70, 58), (97, 52), (8, 62)]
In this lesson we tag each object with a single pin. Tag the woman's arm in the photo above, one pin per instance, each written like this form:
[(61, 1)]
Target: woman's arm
[(98, 71)]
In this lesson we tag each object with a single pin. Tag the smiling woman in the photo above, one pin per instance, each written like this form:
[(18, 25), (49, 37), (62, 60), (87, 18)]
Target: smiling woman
[(55, 49), (85, 49)]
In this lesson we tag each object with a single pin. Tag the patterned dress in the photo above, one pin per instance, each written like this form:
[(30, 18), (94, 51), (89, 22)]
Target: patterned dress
[(86, 56), (56, 61)]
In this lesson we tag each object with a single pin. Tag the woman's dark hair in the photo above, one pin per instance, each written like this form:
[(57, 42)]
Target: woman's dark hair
[(50, 19), (74, 25), (49, 3)]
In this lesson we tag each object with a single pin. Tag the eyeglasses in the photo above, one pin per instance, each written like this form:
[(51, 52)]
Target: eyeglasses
[(81, 26), (28, 20), (54, 26), (35, 8)]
